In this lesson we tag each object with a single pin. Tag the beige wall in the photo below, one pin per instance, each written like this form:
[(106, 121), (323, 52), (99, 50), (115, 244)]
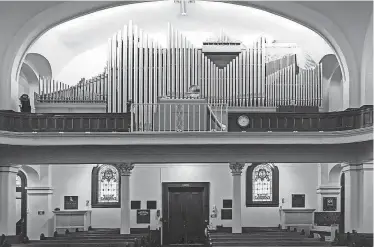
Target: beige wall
[(75, 180)]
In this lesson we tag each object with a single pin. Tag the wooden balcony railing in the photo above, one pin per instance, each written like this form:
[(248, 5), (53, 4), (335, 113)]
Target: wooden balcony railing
[(69, 122), (121, 122), (315, 121)]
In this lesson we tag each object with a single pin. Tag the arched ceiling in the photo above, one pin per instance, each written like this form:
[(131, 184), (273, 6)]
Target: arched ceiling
[(83, 40), (343, 25)]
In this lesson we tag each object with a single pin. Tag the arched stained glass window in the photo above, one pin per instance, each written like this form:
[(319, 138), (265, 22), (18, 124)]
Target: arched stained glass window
[(105, 187), (108, 184), (262, 189), (262, 183)]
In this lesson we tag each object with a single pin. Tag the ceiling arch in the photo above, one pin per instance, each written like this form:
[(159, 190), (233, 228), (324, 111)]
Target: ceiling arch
[(39, 64), (51, 14)]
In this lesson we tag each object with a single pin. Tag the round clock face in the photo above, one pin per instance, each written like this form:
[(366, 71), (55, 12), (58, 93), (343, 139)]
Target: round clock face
[(243, 121)]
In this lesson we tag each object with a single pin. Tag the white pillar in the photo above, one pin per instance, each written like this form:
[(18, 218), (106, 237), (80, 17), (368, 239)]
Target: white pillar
[(8, 200), (367, 223), (125, 170), (353, 196), (39, 200), (236, 170)]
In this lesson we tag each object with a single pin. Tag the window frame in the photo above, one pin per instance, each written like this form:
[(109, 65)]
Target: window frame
[(95, 187), (275, 187)]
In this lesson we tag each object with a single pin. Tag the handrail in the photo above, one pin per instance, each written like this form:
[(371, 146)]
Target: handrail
[(121, 122), (215, 119)]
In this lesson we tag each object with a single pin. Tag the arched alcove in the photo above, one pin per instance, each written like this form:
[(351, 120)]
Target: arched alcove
[(336, 91), (334, 174)]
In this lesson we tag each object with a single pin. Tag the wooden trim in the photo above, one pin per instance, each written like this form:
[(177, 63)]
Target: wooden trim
[(165, 202), (94, 190), (275, 186)]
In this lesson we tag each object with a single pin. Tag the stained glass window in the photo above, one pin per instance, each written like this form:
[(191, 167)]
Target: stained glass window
[(108, 184), (262, 180), (18, 181)]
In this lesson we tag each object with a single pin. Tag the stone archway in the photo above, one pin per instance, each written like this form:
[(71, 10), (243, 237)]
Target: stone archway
[(54, 14)]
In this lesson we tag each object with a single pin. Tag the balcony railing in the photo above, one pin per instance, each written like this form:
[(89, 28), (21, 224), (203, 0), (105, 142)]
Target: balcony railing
[(314, 121), (212, 118), (180, 117), (65, 122)]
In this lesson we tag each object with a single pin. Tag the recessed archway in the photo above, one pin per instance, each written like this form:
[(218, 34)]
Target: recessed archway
[(55, 14)]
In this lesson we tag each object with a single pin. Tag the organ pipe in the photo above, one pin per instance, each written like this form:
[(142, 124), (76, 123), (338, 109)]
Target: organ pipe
[(140, 71)]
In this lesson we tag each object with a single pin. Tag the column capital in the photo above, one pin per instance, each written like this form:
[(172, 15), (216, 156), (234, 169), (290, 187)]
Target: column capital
[(236, 168), (125, 168)]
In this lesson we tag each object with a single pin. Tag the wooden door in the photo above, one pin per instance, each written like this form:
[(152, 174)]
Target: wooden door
[(195, 220), (185, 223)]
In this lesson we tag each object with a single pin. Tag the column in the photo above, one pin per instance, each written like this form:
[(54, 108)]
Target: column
[(236, 170), (125, 170), (40, 216), (353, 196), (367, 208), (8, 200)]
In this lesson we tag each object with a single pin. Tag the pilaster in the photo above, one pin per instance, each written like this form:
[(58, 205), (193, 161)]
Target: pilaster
[(367, 192), (353, 196), (40, 216), (8, 200)]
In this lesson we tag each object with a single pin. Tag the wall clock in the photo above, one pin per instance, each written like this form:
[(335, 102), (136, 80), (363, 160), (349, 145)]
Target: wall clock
[(243, 121)]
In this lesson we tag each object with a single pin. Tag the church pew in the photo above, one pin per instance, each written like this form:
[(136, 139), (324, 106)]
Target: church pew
[(68, 244), (279, 238)]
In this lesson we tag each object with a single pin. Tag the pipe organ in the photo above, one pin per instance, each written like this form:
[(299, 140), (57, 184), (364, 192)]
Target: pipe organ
[(93, 90), (141, 71)]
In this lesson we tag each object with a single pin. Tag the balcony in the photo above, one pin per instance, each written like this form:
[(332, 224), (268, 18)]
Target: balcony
[(201, 117)]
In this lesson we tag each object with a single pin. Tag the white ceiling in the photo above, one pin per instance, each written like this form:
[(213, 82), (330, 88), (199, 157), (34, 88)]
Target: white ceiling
[(82, 42)]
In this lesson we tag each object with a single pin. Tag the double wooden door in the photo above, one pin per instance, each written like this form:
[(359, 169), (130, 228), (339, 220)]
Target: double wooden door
[(186, 219)]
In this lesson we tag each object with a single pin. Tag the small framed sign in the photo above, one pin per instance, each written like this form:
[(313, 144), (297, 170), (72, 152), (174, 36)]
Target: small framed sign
[(298, 200), (143, 216), (135, 204), (70, 202), (226, 214), (227, 203), (329, 203), (151, 204)]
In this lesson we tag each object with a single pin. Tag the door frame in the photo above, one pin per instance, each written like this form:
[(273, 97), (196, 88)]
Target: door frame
[(165, 202), (23, 191), (342, 203)]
